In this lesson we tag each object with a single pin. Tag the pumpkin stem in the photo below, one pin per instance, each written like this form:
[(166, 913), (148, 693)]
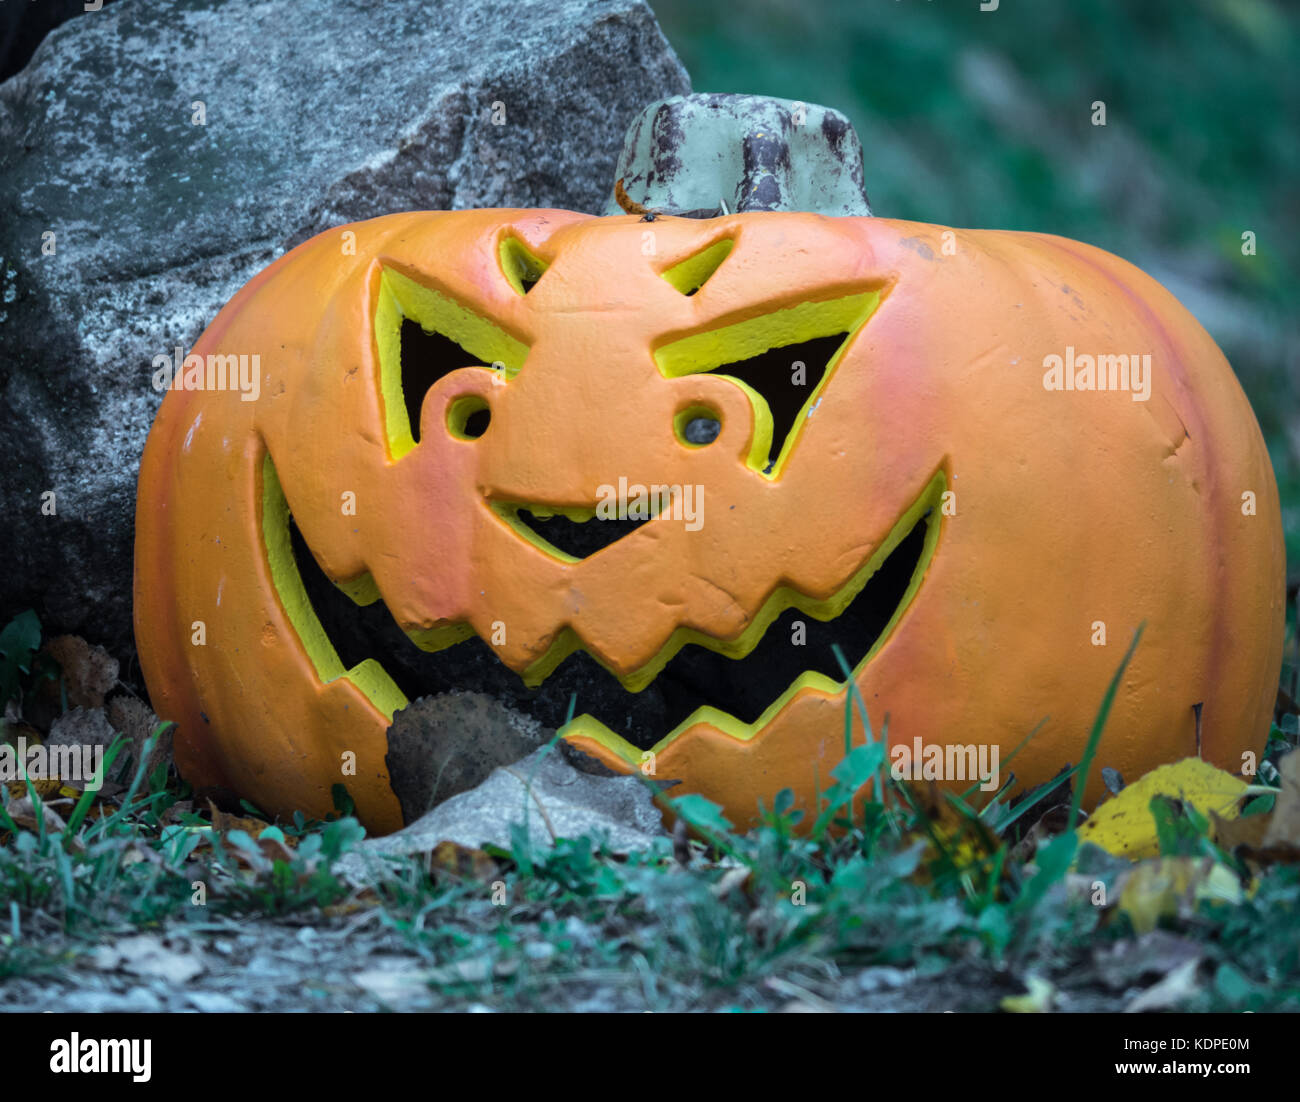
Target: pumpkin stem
[(703, 156), (621, 197)]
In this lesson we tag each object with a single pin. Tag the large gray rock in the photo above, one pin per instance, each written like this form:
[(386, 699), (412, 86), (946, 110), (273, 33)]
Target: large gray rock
[(318, 112)]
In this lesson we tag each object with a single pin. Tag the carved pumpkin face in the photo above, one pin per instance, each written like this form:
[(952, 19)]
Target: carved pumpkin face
[(843, 436)]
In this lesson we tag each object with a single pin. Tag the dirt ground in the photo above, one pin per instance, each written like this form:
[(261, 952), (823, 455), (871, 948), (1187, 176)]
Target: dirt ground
[(354, 964)]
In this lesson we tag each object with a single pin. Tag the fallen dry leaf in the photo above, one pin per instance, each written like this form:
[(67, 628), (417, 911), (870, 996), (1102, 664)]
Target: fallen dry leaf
[(393, 986), (1273, 837), (135, 719), (24, 814), (1177, 987), (452, 860), (1284, 822), (46, 788), (82, 727), (736, 879), (1248, 830), (1171, 886), (802, 1001), (963, 839), (273, 848), (223, 822), (88, 672)]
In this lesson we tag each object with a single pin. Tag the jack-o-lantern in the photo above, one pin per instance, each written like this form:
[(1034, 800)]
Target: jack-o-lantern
[(520, 451)]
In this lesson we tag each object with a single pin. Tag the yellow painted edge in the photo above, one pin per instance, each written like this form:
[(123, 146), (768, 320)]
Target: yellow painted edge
[(363, 590), (400, 298), (368, 676), (518, 263), (695, 271), (745, 339), (509, 516)]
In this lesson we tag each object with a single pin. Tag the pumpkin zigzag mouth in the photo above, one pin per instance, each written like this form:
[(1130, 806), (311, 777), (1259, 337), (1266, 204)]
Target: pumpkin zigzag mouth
[(691, 683)]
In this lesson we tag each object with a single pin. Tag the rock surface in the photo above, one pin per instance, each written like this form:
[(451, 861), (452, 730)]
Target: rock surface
[(315, 113), (440, 746), (561, 802)]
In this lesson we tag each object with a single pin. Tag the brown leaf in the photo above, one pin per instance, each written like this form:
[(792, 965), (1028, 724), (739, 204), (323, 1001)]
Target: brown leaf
[(1284, 825), (273, 849), (1249, 830), (46, 788), (24, 814), (1280, 853), (88, 672), (134, 718), (452, 860), (223, 822)]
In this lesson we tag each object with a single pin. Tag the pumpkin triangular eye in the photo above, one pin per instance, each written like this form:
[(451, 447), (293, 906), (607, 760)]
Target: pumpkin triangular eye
[(426, 358), (782, 360), (689, 275), (521, 266), (785, 377), (421, 334)]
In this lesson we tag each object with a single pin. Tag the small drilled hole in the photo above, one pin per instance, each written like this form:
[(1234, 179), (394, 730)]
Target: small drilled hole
[(468, 418), (698, 426)]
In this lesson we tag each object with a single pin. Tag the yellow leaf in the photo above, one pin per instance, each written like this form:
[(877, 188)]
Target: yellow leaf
[(1125, 826), (1160, 889)]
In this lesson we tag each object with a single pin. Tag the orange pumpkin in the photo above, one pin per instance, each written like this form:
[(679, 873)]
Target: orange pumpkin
[(440, 413)]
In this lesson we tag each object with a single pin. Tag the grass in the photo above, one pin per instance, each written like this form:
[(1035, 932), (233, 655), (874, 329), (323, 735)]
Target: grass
[(886, 875)]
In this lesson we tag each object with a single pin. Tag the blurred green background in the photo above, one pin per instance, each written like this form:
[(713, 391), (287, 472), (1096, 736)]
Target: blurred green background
[(983, 119)]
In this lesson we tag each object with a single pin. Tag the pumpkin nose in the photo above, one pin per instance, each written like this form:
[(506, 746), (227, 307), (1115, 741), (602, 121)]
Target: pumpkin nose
[(715, 412)]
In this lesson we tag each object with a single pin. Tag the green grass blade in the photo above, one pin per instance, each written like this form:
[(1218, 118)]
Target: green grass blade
[(1099, 724)]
